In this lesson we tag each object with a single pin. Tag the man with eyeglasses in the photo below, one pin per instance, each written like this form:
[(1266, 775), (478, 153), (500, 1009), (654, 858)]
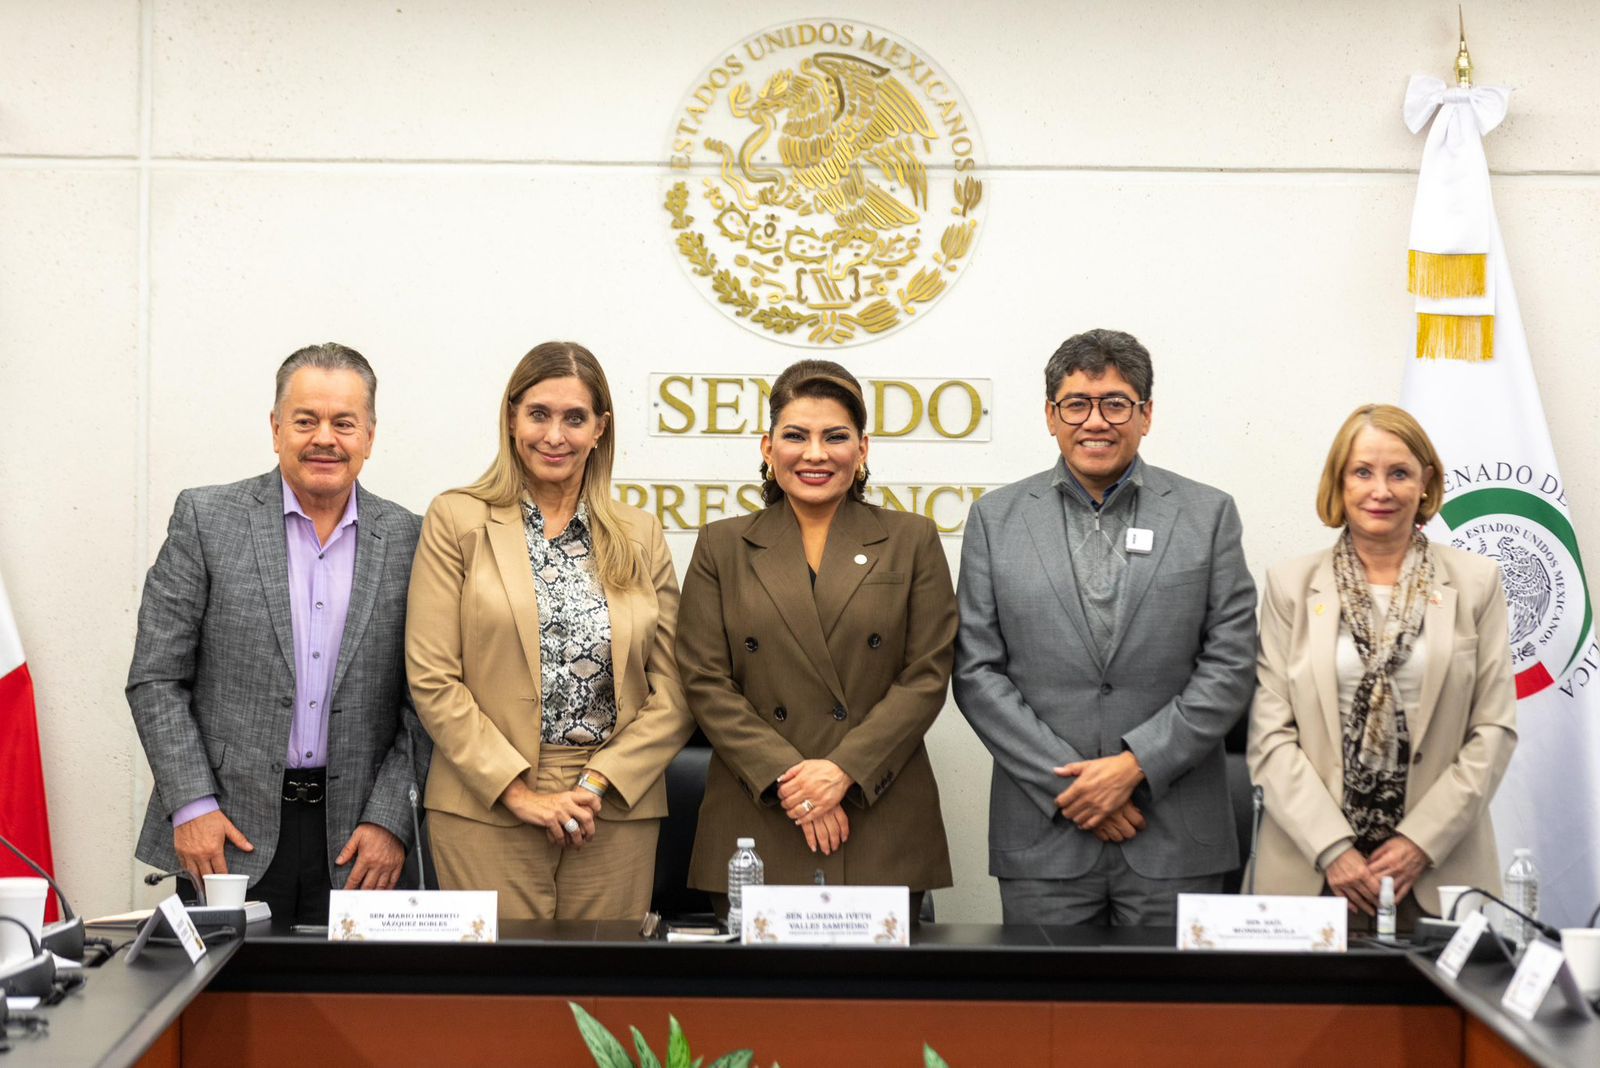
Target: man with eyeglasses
[(1107, 644)]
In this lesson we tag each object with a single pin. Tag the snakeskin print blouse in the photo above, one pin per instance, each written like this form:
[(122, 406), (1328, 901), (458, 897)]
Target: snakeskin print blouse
[(579, 687)]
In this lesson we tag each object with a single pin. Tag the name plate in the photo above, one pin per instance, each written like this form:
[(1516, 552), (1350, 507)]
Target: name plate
[(177, 918), (1262, 923), (827, 915), (1456, 952), (413, 916), (1542, 967)]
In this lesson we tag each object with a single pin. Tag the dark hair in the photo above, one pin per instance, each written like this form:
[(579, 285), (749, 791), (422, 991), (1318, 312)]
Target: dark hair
[(1095, 350), (329, 356), (823, 380)]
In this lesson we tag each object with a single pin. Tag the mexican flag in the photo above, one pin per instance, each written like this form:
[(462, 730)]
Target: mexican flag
[(1471, 384), (24, 821)]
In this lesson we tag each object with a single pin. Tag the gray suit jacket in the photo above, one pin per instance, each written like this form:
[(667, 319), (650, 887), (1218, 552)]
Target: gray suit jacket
[(1180, 673), (212, 682)]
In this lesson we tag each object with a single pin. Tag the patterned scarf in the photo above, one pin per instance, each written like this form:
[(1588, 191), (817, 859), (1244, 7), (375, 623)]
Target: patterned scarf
[(1377, 745)]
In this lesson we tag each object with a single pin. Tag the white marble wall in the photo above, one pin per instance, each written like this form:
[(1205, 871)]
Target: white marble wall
[(190, 189)]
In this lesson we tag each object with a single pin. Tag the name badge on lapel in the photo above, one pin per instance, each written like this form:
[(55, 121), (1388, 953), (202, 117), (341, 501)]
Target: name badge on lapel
[(1139, 540)]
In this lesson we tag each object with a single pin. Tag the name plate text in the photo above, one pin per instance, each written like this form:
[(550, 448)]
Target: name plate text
[(827, 915), (1262, 923), (413, 916)]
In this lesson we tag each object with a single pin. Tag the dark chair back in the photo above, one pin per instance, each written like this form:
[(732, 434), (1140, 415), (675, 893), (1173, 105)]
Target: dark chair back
[(1239, 796), (686, 787)]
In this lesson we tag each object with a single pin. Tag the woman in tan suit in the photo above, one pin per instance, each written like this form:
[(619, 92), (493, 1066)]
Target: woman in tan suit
[(816, 645), (539, 651), (1384, 713)]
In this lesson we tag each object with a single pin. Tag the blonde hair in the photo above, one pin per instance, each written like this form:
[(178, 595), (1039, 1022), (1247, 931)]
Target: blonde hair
[(505, 482), (1403, 425)]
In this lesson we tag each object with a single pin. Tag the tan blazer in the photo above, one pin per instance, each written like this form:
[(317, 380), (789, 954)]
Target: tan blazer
[(854, 671), (472, 658), (1462, 734)]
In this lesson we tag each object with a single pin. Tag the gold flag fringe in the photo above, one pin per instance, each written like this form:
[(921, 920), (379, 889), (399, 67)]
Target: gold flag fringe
[(1442, 277), (1455, 337)]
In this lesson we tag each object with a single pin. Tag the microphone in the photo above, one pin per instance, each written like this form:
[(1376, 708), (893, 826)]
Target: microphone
[(1552, 933), (413, 797), (31, 977), (155, 878), (64, 937), (1257, 802), (416, 836)]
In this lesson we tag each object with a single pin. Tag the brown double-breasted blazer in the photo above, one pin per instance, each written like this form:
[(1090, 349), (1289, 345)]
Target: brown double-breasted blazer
[(854, 671), (472, 658)]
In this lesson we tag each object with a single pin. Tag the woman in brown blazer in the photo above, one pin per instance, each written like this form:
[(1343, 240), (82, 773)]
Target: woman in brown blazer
[(1384, 713), (539, 651), (816, 645)]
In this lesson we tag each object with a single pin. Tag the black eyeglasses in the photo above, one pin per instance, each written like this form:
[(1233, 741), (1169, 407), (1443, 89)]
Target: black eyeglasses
[(1114, 409)]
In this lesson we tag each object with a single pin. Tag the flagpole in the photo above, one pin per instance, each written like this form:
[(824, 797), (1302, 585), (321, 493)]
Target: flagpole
[(1463, 57), (1470, 382)]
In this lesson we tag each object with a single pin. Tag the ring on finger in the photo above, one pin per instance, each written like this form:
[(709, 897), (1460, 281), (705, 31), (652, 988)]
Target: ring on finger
[(806, 806), (571, 826)]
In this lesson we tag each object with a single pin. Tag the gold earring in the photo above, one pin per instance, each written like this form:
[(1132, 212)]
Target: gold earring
[(765, 472), (861, 473)]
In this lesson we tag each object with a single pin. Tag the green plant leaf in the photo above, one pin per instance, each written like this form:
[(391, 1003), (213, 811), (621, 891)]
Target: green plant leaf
[(677, 1045), (930, 1059), (739, 1058), (647, 1057), (603, 1045)]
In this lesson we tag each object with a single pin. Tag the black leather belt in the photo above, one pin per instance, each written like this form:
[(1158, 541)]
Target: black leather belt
[(305, 786)]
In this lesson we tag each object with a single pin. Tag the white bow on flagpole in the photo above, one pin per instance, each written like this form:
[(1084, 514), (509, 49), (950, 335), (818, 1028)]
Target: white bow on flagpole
[(1425, 94), (1453, 217)]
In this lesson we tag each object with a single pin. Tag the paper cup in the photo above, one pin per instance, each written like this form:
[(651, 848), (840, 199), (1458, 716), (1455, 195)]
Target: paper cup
[(226, 891), (1447, 898), (1581, 947), (21, 898)]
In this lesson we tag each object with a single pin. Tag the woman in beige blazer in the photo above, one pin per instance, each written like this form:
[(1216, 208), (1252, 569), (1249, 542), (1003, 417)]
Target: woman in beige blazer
[(1384, 713), (539, 651), (816, 646)]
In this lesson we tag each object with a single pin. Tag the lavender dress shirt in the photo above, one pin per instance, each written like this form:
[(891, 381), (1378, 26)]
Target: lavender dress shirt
[(320, 577)]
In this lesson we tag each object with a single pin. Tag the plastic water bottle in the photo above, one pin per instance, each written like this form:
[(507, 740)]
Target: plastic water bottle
[(744, 869), (1522, 890), (1386, 913)]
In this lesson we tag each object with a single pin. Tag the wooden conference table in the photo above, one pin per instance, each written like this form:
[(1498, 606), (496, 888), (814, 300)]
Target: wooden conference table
[(979, 994)]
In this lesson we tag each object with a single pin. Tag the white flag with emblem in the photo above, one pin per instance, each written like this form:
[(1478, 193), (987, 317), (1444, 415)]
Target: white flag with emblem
[(1470, 383)]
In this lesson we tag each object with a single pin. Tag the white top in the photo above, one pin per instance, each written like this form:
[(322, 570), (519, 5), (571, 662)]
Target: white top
[(1347, 662), (1348, 669)]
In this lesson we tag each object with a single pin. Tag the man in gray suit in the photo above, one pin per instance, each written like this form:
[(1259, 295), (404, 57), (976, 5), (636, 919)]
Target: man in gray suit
[(268, 681), (1107, 643)]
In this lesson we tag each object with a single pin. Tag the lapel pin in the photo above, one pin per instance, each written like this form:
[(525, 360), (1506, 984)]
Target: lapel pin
[(1321, 608), (861, 558), (1436, 598)]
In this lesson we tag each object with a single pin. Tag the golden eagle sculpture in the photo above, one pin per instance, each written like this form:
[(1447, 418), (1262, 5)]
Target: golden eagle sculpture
[(832, 116)]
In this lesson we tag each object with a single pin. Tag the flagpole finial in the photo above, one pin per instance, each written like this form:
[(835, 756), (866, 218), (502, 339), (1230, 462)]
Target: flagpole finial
[(1463, 58)]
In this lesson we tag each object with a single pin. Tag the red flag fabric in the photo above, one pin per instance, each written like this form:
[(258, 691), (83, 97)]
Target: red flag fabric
[(24, 819)]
